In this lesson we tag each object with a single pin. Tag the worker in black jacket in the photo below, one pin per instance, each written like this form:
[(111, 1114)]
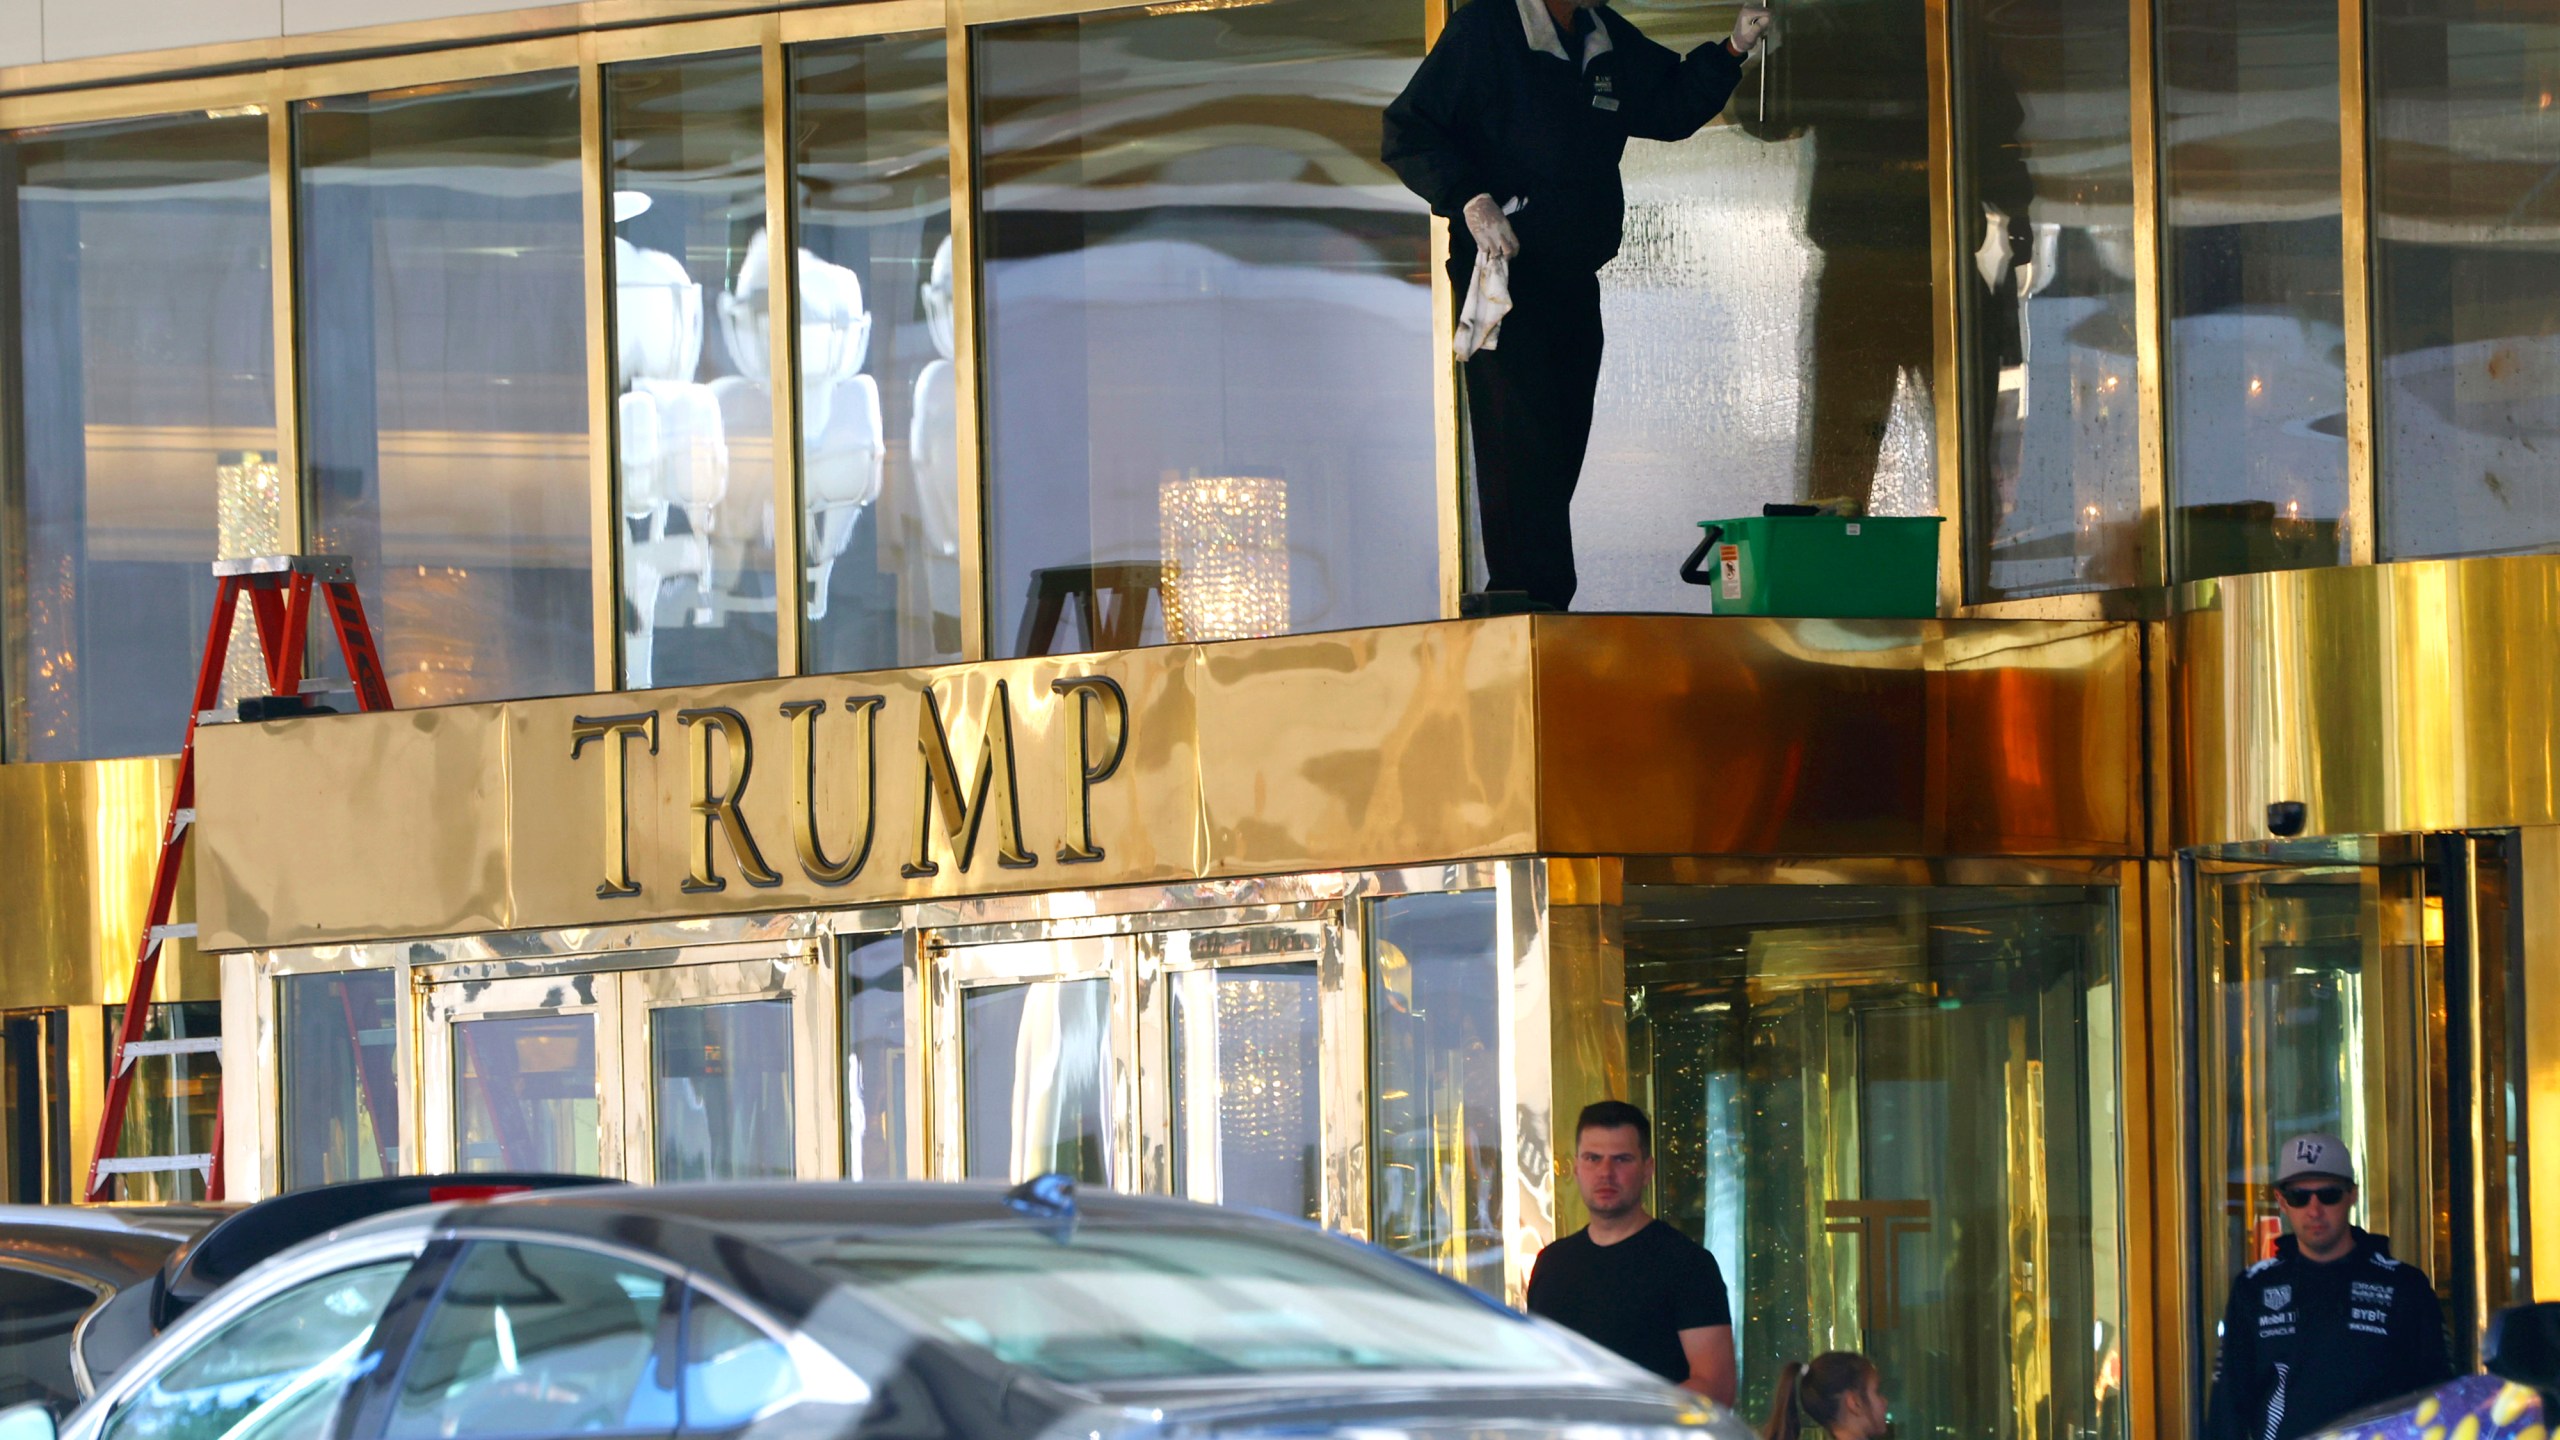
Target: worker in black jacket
[(1512, 129), (2332, 1323)]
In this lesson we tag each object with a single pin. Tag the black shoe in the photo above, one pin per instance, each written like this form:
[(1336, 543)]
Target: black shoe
[(1485, 604)]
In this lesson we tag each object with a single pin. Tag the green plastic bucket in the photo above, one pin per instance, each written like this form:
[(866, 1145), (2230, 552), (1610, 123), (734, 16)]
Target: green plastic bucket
[(1867, 567)]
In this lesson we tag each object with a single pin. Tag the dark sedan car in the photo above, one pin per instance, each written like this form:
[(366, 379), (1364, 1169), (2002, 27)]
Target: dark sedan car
[(60, 1270), (896, 1311)]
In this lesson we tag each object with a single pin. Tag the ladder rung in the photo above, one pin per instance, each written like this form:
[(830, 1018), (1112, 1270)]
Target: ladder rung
[(156, 1164), (145, 1049), (180, 819), (323, 569), (184, 930)]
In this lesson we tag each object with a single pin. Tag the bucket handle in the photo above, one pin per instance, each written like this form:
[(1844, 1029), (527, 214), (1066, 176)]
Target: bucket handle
[(1694, 568)]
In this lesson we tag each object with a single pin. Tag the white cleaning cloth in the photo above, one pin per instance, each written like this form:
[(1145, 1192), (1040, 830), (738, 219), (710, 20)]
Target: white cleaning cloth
[(1488, 300)]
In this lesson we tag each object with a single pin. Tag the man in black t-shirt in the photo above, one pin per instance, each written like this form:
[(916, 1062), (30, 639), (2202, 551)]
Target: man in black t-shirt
[(1627, 1281)]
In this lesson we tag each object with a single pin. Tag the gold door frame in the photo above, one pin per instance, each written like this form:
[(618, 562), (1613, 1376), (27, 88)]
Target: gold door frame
[(954, 966), (1167, 954), (442, 1006)]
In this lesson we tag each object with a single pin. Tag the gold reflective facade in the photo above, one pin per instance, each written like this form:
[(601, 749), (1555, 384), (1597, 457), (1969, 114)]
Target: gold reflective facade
[(1460, 877)]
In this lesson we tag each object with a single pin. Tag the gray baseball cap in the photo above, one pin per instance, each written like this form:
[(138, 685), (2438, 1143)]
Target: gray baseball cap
[(2315, 1154)]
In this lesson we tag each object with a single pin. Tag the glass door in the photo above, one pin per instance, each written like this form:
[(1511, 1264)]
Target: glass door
[(523, 1074), (730, 1065), (1034, 1060), (2360, 988), (1243, 1064)]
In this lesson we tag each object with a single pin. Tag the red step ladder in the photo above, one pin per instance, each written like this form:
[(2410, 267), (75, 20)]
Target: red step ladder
[(279, 590)]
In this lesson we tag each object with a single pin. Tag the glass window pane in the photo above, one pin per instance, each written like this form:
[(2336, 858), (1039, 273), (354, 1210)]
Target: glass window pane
[(1436, 1064), (445, 374), (722, 1107), (143, 440), (541, 1340), (37, 1315), (291, 1356), (341, 1106), (733, 1371), (875, 1066), (1892, 1117), (35, 1107), (1771, 304), (175, 1102), (1208, 316), (880, 419), (525, 1095), (2045, 160), (2257, 337), (1245, 1094), (2466, 244), (1036, 1084), (693, 437)]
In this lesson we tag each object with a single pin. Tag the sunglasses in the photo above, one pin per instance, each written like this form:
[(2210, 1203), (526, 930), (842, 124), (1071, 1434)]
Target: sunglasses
[(2295, 1199)]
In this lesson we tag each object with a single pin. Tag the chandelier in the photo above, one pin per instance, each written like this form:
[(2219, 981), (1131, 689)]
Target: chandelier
[(1226, 557)]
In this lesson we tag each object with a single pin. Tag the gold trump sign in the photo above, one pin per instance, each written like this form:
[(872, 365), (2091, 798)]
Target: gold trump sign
[(719, 744)]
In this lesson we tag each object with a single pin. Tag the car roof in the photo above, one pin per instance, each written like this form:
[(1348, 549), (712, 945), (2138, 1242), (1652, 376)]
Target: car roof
[(787, 1205), (111, 1245)]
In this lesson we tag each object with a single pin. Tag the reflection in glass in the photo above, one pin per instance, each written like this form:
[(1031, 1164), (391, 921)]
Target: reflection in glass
[(2045, 197), (721, 1107), (1891, 1115), (35, 1107), (693, 436), (174, 1106), (1036, 1085), (542, 1340), (2466, 232), (337, 1051), (1196, 266), (444, 355), (1771, 305), (2256, 359), (1435, 1050), (880, 419), (524, 1095), (1245, 1117), (875, 1056), (141, 443)]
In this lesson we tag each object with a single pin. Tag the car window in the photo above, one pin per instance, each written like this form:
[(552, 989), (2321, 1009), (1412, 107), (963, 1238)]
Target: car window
[(1124, 1303), (542, 1340), (37, 1316), (733, 1371), (273, 1373)]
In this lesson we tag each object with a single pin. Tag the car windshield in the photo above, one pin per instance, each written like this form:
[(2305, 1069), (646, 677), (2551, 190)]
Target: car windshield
[(1122, 1304)]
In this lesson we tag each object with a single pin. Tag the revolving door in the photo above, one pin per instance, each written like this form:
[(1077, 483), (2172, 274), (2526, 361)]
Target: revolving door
[(1891, 1113)]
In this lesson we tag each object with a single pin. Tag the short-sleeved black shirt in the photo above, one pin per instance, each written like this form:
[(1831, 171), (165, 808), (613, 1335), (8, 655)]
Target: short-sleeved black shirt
[(1636, 1296)]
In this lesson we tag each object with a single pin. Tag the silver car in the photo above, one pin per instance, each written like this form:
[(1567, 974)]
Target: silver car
[(868, 1311)]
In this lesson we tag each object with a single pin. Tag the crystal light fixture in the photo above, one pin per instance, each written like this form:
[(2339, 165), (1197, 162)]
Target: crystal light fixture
[(248, 521), (1226, 557)]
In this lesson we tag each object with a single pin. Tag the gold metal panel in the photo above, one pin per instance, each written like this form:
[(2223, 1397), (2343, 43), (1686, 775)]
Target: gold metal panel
[(2151, 564), (387, 824), (2355, 195), (1367, 747), (967, 335), (2388, 699), (1948, 267), (782, 231), (2537, 1069), (1808, 737), (85, 837), (845, 22), (604, 499)]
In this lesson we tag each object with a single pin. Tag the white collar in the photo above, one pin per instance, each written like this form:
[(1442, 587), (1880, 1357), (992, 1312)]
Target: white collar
[(1541, 28)]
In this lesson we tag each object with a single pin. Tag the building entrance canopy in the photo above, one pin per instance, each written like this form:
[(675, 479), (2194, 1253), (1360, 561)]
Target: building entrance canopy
[(1621, 735)]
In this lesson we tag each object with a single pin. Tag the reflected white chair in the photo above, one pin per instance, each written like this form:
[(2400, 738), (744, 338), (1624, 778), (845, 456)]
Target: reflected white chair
[(843, 452), (674, 451)]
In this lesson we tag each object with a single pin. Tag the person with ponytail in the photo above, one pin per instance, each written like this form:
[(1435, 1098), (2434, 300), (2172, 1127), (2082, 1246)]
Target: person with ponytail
[(1842, 1392)]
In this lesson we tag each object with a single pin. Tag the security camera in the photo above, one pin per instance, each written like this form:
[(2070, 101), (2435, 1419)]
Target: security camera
[(2285, 818)]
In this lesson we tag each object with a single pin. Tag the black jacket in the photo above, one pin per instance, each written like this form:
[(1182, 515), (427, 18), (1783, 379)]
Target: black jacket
[(1488, 115), (2304, 1343)]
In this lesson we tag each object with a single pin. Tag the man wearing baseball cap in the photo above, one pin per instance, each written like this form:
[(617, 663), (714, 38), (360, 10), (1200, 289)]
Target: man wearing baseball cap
[(2332, 1323)]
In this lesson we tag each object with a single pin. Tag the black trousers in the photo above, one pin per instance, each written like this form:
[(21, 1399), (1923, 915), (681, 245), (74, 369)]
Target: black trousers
[(1529, 411)]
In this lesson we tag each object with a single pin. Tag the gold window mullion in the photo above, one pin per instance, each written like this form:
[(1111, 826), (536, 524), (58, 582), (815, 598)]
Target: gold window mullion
[(782, 222), (604, 509), (2152, 565), (296, 523), (976, 634), (2355, 211)]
